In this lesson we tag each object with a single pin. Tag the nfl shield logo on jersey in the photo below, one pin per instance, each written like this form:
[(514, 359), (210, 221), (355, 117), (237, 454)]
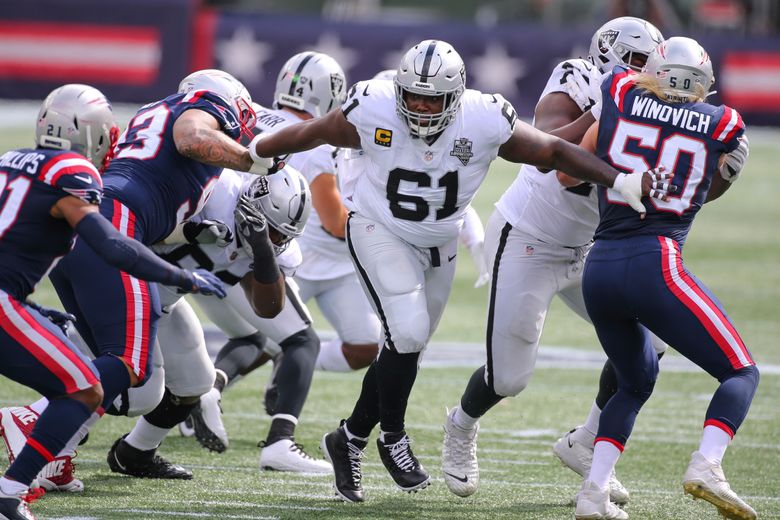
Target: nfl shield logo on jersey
[(462, 150)]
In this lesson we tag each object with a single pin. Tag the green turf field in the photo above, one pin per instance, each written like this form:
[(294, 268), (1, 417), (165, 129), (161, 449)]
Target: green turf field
[(733, 248)]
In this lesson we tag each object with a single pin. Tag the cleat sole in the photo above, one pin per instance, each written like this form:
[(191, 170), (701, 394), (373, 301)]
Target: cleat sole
[(726, 509)]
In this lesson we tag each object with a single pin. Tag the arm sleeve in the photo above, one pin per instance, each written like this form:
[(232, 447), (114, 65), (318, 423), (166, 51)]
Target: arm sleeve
[(129, 255)]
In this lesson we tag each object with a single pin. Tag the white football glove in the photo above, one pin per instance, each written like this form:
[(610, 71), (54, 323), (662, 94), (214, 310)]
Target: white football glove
[(736, 160), (260, 165), (478, 257), (583, 90), (208, 232), (630, 187)]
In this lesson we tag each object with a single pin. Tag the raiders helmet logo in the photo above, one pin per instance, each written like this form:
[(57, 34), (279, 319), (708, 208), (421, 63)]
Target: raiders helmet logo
[(336, 84), (462, 150), (607, 39)]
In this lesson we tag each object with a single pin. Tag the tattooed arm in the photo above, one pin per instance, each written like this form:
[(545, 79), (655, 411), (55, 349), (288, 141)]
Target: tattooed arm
[(197, 135)]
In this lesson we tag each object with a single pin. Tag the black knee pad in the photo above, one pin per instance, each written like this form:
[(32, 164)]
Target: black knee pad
[(305, 338)]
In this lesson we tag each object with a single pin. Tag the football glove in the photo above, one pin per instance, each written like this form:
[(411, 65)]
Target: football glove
[(630, 187), (264, 165), (735, 160), (59, 318), (478, 257), (251, 225), (208, 232), (203, 282), (581, 88)]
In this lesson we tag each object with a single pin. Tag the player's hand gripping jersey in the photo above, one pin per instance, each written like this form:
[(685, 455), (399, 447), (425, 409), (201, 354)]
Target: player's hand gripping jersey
[(420, 189), (148, 174), (686, 138), (31, 182)]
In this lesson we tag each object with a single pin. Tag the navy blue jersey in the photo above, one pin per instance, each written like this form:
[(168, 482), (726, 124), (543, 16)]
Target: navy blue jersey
[(148, 175), (31, 182), (637, 132)]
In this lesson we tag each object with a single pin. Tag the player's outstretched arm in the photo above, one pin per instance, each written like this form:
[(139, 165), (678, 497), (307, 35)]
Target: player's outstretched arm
[(127, 254), (333, 129), (197, 135)]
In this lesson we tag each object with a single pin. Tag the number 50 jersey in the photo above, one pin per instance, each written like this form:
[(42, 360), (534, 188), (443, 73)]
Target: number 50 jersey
[(421, 189), (149, 175)]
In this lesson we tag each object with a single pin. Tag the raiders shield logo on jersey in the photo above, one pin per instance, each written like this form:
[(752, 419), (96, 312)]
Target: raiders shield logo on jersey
[(462, 150)]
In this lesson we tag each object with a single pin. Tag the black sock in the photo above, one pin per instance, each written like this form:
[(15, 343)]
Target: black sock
[(478, 397), (280, 429), (365, 415), (296, 371), (171, 411), (395, 374), (238, 354)]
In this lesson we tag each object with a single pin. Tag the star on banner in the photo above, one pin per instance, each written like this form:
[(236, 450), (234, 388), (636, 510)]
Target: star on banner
[(243, 56), (496, 71)]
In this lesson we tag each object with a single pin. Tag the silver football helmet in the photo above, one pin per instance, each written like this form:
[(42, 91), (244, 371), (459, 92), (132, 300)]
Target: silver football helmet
[(79, 118), (682, 68), (228, 88), (430, 68), (387, 74), (617, 41), (285, 201), (312, 82)]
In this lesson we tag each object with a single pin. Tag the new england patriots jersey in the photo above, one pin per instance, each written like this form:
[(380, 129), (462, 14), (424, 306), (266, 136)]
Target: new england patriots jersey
[(31, 182), (148, 174), (230, 263), (421, 189), (638, 131)]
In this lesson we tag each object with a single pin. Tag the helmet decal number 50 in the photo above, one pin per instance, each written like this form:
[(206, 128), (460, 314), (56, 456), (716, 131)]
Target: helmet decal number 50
[(143, 137), (670, 149), (414, 207)]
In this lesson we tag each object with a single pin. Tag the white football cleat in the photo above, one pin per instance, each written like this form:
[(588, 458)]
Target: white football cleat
[(287, 455), (704, 479), (207, 422), (593, 504), (577, 456), (186, 429), (16, 424), (459, 458)]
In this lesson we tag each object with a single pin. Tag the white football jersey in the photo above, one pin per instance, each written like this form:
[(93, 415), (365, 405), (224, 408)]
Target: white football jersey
[(420, 191), (230, 263), (325, 256), (536, 203)]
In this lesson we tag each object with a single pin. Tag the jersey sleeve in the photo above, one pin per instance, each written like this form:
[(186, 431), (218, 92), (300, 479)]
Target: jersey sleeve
[(502, 117), (351, 107), (729, 129), (615, 86), (215, 106), (582, 72), (74, 175), (318, 161)]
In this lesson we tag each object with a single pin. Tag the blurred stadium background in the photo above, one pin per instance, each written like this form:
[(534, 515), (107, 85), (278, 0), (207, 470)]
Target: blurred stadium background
[(136, 51)]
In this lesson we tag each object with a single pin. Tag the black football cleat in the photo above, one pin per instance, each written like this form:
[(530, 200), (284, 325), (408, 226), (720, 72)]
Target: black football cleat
[(14, 507), (346, 457), (396, 454), (123, 458)]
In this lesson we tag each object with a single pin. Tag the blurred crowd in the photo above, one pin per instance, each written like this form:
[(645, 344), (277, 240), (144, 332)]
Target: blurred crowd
[(737, 16)]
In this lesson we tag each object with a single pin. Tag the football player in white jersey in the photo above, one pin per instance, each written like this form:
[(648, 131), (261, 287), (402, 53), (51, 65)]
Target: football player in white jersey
[(428, 143), (247, 257), (536, 243)]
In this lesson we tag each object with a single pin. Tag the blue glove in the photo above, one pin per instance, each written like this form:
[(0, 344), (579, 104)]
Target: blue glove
[(206, 283), (59, 318)]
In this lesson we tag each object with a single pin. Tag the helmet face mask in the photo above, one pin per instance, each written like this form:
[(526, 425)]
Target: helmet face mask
[(311, 82), (79, 118), (623, 41), (229, 89), (430, 68), (682, 68), (284, 200)]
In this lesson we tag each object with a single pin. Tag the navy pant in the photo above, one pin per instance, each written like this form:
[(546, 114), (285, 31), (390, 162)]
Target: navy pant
[(639, 282), (116, 313)]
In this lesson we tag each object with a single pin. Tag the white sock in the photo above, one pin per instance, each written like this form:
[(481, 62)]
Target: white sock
[(331, 358), (12, 487), (39, 406), (605, 456), (592, 422), (714, 442), (463, 420), (286, 417), (352, 436), (145, 436), (70, 447)]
